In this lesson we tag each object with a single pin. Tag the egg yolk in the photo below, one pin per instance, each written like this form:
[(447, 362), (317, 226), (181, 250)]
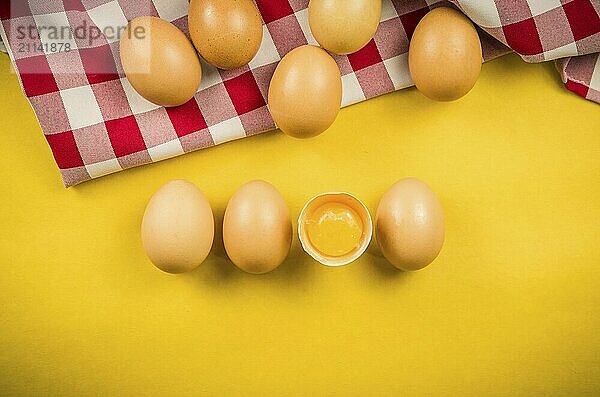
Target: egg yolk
[(334, 229)]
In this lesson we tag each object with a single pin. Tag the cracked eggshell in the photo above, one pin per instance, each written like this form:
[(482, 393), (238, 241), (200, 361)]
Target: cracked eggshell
[(348, 200)]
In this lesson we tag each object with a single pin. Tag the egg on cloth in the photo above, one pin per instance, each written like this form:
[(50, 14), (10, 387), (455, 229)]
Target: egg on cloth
[(305, 93), (178, 227), (410, 225), (257, 229), (226, 33), (160, 62), (444, 55), (343, 26)]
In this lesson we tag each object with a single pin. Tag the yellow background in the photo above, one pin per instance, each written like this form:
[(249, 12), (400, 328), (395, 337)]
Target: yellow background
[(510, 307)]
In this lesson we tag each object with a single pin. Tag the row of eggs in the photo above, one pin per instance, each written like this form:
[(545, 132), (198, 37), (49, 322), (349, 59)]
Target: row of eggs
[(334, 228), (305, 92)]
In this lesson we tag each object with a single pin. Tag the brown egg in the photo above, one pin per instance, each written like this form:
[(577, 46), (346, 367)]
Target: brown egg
[(305, 93), (226, 33), (257, 230), (178, 227), (160, 62), (343, 26), (445, 55), (410, 225)]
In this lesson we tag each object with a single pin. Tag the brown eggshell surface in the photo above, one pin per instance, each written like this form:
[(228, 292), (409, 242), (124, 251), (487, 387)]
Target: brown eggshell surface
[(257, 229), (305, 93), (178, 227), (410, 225), (445, 56), (343, 26), (227, 33), (160, 62)]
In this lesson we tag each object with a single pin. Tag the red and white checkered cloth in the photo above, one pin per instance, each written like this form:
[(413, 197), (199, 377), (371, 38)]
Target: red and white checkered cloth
[(96, 124)]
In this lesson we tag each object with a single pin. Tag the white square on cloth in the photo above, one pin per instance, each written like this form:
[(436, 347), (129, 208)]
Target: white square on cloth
[(109, 16), (81, 106), (538, 7), (560, 52), (353, 93), (171, 10), (210, 75), (399, 71), (55, 29), (227, 130), (302, 17), (137, 103), (96, 170), (166, 150), (267, 53), (595, 82), (388, 11), (483, 12)]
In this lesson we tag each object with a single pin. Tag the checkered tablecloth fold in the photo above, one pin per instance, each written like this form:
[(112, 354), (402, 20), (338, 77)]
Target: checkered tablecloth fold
[(97, 124)]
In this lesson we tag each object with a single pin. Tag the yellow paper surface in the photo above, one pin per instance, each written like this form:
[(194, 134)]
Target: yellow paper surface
[(510, 307)]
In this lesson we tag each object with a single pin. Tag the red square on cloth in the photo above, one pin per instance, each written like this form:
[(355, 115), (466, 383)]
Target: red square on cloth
[(187, 118), (51, 112), (583, 18), (99, 64), (577, 88), (73, 5), (244, 93), (410, 20), (374, 80), (523, 37), (274, 10), (112, 99), (196, 140), (134, 9), (125, 136), (367, 56), (65, 150), (36, 75), (14, 9)]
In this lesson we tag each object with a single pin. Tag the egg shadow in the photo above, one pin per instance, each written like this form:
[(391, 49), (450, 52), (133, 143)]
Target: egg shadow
[(380, 267), (217, 269)]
